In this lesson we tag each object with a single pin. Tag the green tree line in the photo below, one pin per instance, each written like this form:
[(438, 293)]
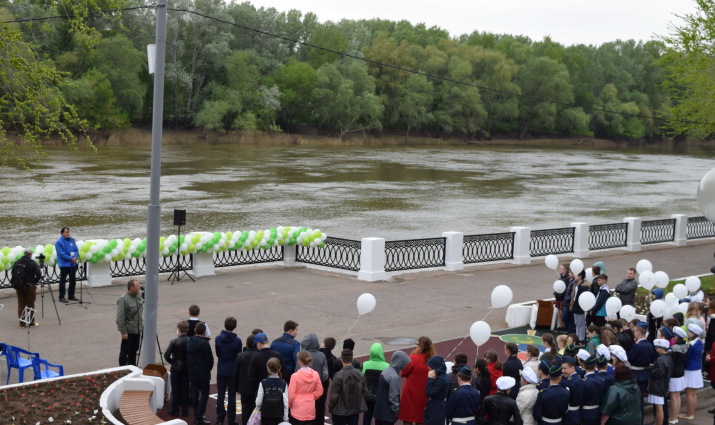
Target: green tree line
[(222, 77)]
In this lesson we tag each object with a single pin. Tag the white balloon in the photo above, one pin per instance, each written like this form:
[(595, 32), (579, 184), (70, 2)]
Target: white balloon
[(644, 265), (658, 308), (613, 306), (680, 291), (671, 300), (576, 266), (628, 312), (668, 314), (366, 303), (559, 286), (501, 296), (683, 308), (647, 279), (692, 284), (93, 249), (661, 279), (589, 275), (480, 332), (551, 261), (586, 300), (706, 195)]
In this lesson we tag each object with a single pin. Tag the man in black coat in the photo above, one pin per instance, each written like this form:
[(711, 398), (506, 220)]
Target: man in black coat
[(176, 355), (201, 361), (240, 379), (25, 283), (513, 368), (257, 371)]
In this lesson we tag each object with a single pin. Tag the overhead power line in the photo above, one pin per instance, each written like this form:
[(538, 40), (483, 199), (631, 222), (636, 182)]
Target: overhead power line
[(383, 64)]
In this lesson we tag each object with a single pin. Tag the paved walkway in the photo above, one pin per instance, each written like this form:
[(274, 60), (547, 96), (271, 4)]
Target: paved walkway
[(438, 304)]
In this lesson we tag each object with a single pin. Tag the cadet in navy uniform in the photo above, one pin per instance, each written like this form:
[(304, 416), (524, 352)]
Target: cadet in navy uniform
[(572, 351), (574, 383), (543, 374), (463, 401), (641, 356), (593, 391), (552, 403), (608, 379)]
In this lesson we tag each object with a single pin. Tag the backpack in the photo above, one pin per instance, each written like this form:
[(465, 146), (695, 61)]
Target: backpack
[(272, 405), (19, 278)]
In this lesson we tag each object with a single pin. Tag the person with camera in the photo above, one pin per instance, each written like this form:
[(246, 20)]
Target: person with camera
[(129, 322), (67, 260), (25, 276)]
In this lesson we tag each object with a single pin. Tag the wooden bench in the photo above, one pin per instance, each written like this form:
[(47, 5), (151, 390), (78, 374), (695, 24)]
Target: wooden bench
[(134, 408)]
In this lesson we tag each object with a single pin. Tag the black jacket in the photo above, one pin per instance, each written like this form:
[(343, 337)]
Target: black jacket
[(176, 354), (709, 338), (330, 360), (257, 371), (500, 409), (240, 371), (626, 339), (200, 358), (32, 270), (580, 289), (660, 374), (513, 367)]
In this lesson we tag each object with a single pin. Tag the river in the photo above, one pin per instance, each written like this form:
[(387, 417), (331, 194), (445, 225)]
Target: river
[(352, 192)]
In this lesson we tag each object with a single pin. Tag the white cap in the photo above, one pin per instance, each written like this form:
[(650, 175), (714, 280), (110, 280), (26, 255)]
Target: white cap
[(529, 375), (603, 350), (680, 332), (661, 343), (583, 354), (505, 382), (697, 330), (618, 352)]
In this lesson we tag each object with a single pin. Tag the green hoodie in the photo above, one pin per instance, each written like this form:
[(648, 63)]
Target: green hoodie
[(377, 359)]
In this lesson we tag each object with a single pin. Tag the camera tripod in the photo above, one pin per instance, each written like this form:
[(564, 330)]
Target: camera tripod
[(176, 274), (158, 345), (52, 295)]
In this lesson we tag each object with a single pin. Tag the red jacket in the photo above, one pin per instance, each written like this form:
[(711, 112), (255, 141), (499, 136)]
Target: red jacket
[(414, 399), (495, 374)]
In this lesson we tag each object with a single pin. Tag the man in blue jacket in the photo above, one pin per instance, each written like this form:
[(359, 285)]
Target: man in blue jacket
[(228, 346), (67, 257), (288, 346)]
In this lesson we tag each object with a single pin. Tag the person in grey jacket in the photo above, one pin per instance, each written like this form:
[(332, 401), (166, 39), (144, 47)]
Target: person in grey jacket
[(627, 289), (318, 363), (347, 393), (387, 402)]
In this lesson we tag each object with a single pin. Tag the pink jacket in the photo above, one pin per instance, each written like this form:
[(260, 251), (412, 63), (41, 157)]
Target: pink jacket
[(304, 389)]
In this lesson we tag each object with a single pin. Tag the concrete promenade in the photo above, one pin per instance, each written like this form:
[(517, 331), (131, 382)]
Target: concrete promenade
[(439, 304)]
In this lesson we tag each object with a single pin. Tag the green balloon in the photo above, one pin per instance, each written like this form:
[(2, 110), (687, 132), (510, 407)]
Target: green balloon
[(107, 249)]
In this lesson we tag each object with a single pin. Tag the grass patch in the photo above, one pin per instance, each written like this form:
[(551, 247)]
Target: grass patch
[(642, 299)]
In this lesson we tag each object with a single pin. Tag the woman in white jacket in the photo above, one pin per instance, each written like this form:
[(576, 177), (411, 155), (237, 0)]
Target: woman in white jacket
[(527, 396)]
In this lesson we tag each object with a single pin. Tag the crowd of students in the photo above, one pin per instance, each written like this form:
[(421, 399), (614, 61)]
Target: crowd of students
[(605, 376)]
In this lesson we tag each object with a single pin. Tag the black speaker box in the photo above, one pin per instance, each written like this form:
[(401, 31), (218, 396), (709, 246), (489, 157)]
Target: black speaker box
[(179, 217)]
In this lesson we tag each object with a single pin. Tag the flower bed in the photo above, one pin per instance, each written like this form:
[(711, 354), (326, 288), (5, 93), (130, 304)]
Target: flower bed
[(70, 400)]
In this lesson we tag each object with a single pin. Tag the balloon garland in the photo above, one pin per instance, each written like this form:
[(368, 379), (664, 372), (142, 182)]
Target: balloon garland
[(112, 250)]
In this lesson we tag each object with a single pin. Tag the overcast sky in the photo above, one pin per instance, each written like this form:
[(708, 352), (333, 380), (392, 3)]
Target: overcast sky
[(566, 21)]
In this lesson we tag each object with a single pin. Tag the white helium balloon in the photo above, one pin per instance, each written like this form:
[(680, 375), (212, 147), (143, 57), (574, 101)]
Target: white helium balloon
[(587, 300), (366, 303), (683, 307), (668, 314), (559, 286), (692, 284), (644, 265), (671, 300), (551, 261), (576, 266), (661, 279), (680, 291), (589, 275), (501, 296), (628, 312), (613, 306), (480, 332), (658, 308), (647, 279), (706, 195)]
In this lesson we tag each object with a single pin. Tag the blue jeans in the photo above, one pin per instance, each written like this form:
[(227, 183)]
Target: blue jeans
[(199, 403), (567, 317), (72, 273), (224, 382)]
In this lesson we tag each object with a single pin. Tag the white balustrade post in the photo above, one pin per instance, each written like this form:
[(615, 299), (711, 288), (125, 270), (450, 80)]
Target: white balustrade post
[(453, 259), (580, 240), (289, 254), (522, 240), (372, 260), (681, 229), (204, 264), (633, 237), (98, 274)]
